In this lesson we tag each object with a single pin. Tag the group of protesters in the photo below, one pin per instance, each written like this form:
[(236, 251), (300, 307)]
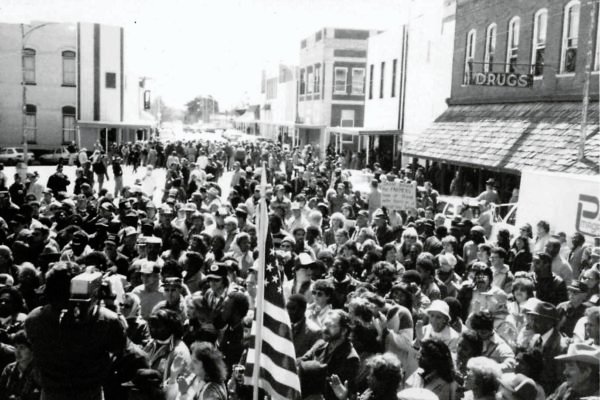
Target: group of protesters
[(150, 292)]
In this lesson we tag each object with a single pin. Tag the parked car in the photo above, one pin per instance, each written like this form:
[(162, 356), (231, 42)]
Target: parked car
[(13, 155), (55, 156)]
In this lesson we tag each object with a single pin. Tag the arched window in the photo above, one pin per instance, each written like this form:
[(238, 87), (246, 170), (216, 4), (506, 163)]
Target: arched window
[(469, 56), (29, 66), (538, 46), (570, 37), (512, 45), (31, 123), (69, 68), (68, 129), (490, 48)]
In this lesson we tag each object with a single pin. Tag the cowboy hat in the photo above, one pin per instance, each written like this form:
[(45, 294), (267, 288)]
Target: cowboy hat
[(581, 352)]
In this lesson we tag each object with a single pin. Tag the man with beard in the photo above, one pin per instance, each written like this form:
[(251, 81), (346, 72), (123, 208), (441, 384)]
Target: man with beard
[(480, 295), (332, 355), (548, 286)]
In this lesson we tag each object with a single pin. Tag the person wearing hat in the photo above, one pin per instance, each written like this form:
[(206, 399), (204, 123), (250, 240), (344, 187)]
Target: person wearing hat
[(581, 369), (383, 231), (174, 292), (301, 282), (490, 194), (517, 387), (216, 275), (548, 286), (58, 182), (494, 347), (573, 309), (438, 326), (231, 231), (150, 292), (77, 248), (297, 220), (212, 201), (543, 319), (362, 221)]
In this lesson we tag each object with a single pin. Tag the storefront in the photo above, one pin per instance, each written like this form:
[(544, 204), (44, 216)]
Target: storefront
[(108, 133), (481, 141), (373, 146)]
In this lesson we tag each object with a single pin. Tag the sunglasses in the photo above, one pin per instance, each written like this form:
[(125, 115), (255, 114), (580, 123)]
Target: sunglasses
[(318, 293)]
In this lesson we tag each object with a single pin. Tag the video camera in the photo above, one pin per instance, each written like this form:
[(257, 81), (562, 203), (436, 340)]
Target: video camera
[(85, 293)]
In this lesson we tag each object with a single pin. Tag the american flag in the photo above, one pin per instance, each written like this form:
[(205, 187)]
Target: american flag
[(271, 346)]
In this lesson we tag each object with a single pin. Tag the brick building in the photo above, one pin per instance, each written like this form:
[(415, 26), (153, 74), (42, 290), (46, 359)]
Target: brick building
[(517, 88), (331, 83)]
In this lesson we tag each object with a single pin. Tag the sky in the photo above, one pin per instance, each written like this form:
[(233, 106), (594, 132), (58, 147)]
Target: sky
[(218, 47)]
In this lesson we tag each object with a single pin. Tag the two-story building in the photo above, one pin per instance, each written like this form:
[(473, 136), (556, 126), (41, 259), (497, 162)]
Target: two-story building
[(331, 84), (408, 79), (278, 105), (75, 86), (518, 80)]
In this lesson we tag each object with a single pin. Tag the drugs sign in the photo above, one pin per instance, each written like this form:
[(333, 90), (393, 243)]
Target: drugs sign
[(500, 79), (398, 195)]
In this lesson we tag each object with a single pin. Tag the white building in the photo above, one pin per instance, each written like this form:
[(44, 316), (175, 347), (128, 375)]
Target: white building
[(408, 78), (278, 105), (76, 86)]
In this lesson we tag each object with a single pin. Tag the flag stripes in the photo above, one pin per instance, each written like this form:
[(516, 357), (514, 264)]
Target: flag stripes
[(271, 358)]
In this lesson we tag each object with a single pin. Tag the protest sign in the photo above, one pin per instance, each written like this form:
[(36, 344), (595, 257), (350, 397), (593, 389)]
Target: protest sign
[(398, 195)]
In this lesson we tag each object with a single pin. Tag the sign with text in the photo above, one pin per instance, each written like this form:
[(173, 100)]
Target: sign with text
[(398, 195), (500, 79)]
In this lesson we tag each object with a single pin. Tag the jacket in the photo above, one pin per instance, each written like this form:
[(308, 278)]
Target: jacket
[(304, 335), (320, 362), (552, 371)]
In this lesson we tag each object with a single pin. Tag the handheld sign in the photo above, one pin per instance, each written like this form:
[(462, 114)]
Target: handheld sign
[(398, 195)]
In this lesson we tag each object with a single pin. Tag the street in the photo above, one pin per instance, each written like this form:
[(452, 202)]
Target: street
[(129, 177)]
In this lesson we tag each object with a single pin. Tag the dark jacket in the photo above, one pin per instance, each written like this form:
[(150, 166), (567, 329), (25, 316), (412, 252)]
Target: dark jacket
[(320, 362), (304, 336), (566, 392), (553, 290), (552, 371)]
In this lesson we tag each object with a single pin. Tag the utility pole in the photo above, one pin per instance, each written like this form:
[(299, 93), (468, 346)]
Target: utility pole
[(23, 96), (586, 82)]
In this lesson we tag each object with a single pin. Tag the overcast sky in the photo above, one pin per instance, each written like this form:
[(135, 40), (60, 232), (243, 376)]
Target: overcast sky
[(218, 47)]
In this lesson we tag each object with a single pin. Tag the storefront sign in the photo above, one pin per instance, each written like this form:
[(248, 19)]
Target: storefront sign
[(501, 79), (398, 195)]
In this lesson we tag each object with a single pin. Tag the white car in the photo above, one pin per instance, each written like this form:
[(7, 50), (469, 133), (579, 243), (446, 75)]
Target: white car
[(55, 156), (13, 155)]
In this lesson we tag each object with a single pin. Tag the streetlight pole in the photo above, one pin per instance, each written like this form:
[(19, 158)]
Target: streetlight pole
[(24, 36)]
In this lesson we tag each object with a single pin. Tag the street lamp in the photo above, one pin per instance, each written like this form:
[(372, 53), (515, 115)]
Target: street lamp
[(24, 36)]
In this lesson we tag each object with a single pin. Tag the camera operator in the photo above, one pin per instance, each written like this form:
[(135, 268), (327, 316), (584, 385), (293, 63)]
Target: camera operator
[(73, 337)]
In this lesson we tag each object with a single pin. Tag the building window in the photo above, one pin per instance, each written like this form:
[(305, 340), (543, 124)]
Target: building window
[(358, 81), (469, 56), (317, 79), (490, 48), (302, 81), (540, 22), (68, 63), (68, 129), (597, 47), (394, 68), (371, 72), (31, 123), (512, 45), (310, 80), (382, 80), (347, 118), (111, 80), (341, 79), (29, 66), (570, 37)]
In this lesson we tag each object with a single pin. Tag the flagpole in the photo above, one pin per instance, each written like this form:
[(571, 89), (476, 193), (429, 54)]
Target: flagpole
[(262, 225)]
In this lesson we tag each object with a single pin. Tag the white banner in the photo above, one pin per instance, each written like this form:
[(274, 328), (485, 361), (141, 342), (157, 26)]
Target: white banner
[(398, 195)]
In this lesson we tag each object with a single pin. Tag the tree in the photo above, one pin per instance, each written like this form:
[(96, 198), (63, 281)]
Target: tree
[(201, 108), (167, 114)]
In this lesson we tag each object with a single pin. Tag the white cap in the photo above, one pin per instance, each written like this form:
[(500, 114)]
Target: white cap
[(439, 306), (416, 394)]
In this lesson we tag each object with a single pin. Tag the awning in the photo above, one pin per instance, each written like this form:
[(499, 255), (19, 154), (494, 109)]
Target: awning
[(363, 131), (310, 126), (512, 137), (277, 123), (113, 124), (248, 117)]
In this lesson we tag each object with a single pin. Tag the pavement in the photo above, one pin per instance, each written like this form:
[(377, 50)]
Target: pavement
[(129, 177)]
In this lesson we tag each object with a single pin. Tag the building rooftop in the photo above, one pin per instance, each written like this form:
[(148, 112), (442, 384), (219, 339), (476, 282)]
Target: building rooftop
[(512, 137)]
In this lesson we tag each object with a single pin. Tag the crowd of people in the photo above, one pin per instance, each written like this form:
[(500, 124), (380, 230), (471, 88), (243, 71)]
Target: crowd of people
[(149, 292)]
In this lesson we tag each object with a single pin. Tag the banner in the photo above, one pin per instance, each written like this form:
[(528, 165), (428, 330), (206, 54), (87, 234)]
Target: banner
[(398, 195)]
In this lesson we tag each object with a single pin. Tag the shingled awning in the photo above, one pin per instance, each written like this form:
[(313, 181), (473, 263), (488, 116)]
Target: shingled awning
[(512, 137)]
